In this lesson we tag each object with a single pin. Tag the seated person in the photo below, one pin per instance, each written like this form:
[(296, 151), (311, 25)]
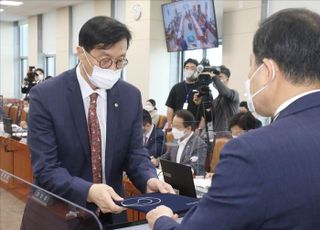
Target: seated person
[(244, 108), (190, 149), (241, 122), (150, 106), (153, 137), (23, 122)]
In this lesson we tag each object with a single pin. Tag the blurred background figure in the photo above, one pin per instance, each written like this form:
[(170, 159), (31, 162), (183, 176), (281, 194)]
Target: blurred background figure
[(39, 75), (153, 137), (244, 108), (150, 106), (189, 149), (181, 94), (24, 113), (29, 81), (241, 123)]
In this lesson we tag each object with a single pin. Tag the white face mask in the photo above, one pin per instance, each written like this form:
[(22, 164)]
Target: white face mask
[(102, 78), (149, 108), (189, 74), (26, 109), (177, 134), (247, 86)]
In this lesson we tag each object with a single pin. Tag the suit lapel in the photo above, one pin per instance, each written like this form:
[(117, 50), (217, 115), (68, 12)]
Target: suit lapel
[(113, 119), (76, 106), (187, 149), (174, 151), (152, 136)]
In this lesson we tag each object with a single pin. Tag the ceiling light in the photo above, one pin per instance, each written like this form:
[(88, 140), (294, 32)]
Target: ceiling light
[(10, 3), (1, 10)]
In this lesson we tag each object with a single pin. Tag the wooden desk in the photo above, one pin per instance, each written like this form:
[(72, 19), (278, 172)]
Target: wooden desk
[(15, 158)]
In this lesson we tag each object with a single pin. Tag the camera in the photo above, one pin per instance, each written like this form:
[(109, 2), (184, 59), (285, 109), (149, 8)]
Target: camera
[(204, 71), (30, 80)]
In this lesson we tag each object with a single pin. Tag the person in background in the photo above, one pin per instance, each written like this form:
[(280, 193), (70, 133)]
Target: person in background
[(241, 123), (269, 178), (222, 107), (39, 75), (29, 81), (24, 122), (85, 127), (190, 149), (181, 94), (244, 108), (153, 137), (150, 106)]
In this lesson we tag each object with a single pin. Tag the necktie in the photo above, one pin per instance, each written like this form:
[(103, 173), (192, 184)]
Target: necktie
[(95, 139)]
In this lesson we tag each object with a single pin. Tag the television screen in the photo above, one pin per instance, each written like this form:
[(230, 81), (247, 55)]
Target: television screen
[(190, 24)]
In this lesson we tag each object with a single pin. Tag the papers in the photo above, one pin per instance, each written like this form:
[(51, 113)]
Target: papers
[(202, 183)]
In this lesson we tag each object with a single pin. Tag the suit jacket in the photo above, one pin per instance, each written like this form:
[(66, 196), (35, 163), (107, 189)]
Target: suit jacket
[(155, 142), (268, 178), (194, 154), (59, 142)]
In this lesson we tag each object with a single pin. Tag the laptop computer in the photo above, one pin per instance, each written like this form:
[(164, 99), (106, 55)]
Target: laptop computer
[(12, 129), (179, 176)]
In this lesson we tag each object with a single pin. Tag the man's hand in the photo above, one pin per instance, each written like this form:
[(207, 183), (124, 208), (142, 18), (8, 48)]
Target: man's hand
[(197, 99), (159, 211), (156, 185), (103, 196), (154, 161)]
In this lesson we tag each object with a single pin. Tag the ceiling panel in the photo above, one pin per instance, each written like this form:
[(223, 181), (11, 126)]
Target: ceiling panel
[(30, 8)]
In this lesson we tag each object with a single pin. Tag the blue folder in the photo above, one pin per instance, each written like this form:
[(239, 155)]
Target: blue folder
[(146, 202)]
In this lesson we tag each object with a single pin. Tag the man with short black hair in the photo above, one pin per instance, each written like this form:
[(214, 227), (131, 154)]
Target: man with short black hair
[(153, 137), (223, 107), (188, 149), (181, 94), (269, 178), (85, 126)]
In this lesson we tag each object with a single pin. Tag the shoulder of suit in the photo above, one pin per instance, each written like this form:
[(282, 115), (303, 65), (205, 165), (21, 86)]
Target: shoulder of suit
[(126, 87)]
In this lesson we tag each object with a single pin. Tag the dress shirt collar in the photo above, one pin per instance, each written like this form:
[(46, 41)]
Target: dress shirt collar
[(86, 89), (150, 131), (291, 100)]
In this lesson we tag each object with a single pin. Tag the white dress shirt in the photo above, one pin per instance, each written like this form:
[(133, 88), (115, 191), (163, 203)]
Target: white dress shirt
[(86, 91), (182, 145), (291, 100)]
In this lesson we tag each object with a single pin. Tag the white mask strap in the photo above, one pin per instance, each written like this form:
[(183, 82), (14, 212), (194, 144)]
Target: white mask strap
[(85, 54)]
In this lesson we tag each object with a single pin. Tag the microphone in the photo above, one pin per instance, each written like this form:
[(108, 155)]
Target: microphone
[(200, 68)]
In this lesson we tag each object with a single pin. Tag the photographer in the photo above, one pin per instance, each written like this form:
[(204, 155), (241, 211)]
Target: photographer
[(29, 81), (223, 107)]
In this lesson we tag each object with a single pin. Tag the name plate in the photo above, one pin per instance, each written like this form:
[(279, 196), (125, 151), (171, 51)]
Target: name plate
[(42, 197), (5, 177)]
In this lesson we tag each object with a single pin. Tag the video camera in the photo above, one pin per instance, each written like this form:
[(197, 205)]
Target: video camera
[(205, 72)]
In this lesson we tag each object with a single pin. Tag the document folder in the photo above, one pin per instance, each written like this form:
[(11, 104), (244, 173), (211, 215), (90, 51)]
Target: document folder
[(146, 202)]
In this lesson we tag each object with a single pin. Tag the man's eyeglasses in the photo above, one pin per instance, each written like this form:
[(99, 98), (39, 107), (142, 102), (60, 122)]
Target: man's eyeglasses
[(106, 63)]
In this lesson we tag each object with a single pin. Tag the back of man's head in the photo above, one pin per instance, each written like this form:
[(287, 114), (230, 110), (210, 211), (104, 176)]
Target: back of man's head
[(291, 38), (102, 32), (190, 60), (225, 70)]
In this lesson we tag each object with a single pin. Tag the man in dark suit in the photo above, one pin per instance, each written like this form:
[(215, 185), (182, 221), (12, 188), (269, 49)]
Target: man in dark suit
[(189, 149), (153, 137), (85, 125), (269, 178)]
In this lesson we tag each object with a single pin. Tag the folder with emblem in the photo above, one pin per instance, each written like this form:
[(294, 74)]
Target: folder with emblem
[(146, 202)]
